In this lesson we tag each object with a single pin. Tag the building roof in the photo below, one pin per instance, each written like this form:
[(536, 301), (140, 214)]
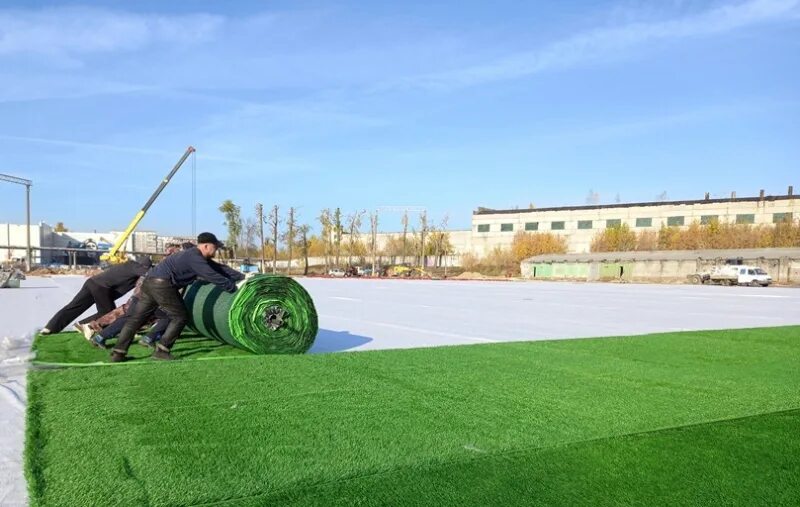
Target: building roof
[(488, 211), (666, 255)]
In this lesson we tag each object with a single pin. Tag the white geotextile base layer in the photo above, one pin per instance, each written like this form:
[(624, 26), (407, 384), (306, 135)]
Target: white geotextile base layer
[(22, 311), (388, 314)]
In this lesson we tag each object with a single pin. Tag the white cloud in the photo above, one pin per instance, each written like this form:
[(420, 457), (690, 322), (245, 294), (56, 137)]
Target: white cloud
[(73, 31), (608, 43)]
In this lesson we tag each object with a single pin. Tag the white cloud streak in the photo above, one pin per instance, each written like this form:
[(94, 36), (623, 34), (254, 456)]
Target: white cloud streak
[(80, 31), (609, 43), (115, 148)]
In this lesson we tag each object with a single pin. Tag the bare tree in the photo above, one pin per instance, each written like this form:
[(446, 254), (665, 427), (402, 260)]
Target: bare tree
[(405, 236), (250, 234), (618, 199), (325, 222), (444, 241), (593, 197), (262, 252), (274, 220), (338, 230), (303, 232), (354, 232), (373, 230), (423, 232), (662, 196), (289, 236)]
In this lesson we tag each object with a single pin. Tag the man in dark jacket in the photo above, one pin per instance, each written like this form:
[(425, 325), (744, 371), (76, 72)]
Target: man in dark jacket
[(100, 290), (161, 288)]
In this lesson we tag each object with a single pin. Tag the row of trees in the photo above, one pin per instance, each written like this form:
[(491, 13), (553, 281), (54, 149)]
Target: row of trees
[(340, 237), (714, 235), (697, 236)]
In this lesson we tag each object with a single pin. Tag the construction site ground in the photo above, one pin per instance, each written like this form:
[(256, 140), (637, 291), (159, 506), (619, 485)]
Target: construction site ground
[(359, 314)]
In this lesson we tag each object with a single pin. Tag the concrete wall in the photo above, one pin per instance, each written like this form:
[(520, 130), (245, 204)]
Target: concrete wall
[(782, 264), (580, 240)]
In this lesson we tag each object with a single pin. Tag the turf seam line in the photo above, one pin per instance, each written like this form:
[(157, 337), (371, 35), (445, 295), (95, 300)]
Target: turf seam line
[(491, 455)]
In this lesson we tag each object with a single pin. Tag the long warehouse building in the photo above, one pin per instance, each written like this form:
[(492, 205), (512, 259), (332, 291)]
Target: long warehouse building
[(579, 224)]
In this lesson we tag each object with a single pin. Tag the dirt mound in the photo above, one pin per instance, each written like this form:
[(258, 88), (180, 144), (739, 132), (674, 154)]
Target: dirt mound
[(470, 275)]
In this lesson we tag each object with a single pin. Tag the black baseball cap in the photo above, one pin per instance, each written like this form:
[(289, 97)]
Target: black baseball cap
[(207, 237)]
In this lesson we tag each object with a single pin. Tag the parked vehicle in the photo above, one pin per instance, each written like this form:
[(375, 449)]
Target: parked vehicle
[(336, 272), (364, 271), (733, 274)]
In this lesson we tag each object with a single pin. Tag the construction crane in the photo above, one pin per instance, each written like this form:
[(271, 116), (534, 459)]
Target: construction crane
[(115, 255)]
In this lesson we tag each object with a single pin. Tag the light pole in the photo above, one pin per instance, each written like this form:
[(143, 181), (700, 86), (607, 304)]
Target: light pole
[(28, 184)]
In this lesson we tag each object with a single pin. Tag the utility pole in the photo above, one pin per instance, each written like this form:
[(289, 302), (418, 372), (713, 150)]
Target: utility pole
[(260, 216), (28, 184), (274, 219)]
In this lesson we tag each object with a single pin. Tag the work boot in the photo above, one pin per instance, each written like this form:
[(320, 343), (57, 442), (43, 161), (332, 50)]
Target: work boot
[(162, 355), (44, 331), (118, 357)]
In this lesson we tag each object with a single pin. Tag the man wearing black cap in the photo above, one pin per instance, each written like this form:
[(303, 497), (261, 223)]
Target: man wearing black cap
[(100, 290), (161, 289)]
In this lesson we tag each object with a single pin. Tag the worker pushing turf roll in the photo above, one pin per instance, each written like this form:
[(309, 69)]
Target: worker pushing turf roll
[(101, 290), (161, 288)]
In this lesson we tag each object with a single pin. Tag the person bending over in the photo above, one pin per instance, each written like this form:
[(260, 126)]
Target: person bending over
[(161, 288)]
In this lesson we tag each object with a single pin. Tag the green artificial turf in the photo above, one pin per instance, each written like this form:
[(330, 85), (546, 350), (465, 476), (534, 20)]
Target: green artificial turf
[(703, 418), (64, 349)]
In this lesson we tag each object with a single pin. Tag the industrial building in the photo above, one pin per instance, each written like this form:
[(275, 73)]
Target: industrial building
[(783, 264), (48, 246), (490, 228), (579, 224)]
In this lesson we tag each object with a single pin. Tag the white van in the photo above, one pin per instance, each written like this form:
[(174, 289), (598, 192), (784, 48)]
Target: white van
[(749, 275)]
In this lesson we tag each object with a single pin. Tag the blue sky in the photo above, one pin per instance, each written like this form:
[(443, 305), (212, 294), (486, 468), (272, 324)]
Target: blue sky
[(447, 105)]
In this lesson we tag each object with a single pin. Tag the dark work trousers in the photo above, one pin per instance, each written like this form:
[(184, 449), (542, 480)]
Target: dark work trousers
[(156, 292), (115, 328), (90, 294), (160, 327)]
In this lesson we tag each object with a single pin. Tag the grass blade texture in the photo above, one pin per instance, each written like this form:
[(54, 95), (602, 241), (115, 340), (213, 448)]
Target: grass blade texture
[(696, 418)]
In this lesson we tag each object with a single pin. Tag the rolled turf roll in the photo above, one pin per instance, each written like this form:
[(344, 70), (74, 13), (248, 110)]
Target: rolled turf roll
[(267, 315)]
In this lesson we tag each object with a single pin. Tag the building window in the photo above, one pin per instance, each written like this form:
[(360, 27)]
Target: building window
[(614, 222), (644, 222), (778, 218), (483, 228), (674, 221), (709, 219), (557, 226), (506, 227), (532, 226), (746, 218), (584, 224)]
